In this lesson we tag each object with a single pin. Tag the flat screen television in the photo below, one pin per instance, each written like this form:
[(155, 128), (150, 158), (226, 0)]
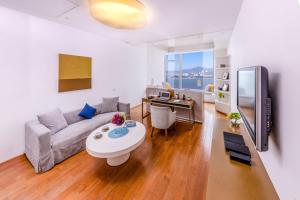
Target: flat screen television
[(254, 103)]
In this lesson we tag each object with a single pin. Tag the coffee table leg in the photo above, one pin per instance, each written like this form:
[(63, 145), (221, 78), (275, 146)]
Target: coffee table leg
[(119, 160)]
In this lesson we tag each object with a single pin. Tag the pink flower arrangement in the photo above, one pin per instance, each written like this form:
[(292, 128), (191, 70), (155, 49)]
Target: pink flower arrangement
[(118, 119)]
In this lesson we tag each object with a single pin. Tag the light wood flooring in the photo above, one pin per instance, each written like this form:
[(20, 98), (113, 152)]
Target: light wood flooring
[(172, 168)]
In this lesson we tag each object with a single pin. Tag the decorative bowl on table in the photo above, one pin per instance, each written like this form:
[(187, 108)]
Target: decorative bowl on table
[(98, 135), (118, 119), (118, 132), (130, 123)]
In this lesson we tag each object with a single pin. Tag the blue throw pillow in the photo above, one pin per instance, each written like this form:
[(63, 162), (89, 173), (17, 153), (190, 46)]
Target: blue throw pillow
[(87, 112)]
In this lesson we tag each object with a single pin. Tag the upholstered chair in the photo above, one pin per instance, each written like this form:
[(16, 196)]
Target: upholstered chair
[(162, 118)]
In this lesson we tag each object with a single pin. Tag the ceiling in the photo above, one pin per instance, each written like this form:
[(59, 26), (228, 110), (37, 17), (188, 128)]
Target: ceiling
[(216, 40), (167, 18)]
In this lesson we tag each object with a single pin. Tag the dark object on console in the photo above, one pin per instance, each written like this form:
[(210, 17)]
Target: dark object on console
[(240, 157), (234, 138), (236, 145), (239, 148)]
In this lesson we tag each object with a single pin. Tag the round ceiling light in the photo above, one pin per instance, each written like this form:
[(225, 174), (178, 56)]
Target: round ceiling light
[(123, 14)]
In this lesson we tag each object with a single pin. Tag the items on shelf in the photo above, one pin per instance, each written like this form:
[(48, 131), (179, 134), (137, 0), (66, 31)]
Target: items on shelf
[(222, 82), (225, 87), (221, 95), (225, 76)]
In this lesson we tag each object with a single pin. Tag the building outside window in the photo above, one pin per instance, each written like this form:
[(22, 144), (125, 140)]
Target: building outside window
[(193, 70)]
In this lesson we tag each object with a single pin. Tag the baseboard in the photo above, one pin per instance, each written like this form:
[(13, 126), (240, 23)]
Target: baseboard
[(21, 156)]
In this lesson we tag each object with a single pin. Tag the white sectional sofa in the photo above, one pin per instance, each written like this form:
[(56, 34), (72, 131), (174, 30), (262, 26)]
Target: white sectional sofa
[(44, 149)]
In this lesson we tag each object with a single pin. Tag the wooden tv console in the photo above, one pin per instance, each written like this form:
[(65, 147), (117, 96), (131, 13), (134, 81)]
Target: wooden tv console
[(233, 180)]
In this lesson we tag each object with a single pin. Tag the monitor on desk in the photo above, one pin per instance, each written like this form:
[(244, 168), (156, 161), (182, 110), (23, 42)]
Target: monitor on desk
[(164, 95)]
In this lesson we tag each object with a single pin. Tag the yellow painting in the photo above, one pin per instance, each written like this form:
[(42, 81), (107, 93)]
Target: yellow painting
[(75, 73)]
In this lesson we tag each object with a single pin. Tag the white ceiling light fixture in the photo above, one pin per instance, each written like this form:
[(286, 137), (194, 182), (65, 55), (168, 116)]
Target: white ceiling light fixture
[(122, 14)]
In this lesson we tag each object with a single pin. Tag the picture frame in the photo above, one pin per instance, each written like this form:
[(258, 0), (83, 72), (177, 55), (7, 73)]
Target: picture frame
[(74, 73), (225, 76), (225, 87)]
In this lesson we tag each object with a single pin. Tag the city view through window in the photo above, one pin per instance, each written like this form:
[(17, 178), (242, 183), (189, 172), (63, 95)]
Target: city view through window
[(190, 70)]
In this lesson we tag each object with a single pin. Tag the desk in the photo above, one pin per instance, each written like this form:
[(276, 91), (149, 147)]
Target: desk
[(196, 95), (231, 180), (145, 100), (172, 103)]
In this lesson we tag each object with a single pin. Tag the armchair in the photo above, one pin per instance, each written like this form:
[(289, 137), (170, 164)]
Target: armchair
[(162, 118)]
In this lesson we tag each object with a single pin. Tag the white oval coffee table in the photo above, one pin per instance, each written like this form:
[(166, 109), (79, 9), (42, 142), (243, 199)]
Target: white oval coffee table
[(115, 150)]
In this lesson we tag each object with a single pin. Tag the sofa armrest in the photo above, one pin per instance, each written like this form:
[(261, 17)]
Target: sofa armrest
[(38, 146), (124, 107)]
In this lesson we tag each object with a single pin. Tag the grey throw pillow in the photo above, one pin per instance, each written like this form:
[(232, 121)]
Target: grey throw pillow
[(98, 108), (73, 117), (110, 104), (54, 120)]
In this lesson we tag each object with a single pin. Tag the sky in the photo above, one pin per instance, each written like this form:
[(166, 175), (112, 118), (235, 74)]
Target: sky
[(195, 59)]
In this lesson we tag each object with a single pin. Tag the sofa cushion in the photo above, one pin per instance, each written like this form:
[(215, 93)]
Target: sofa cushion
[(71, 134), (98, 108), (54, 120), (110, 104), (88, 112), (73, 117), (78, 131)]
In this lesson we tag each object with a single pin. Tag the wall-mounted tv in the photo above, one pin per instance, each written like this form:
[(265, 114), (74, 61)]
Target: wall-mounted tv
[(254, 103)]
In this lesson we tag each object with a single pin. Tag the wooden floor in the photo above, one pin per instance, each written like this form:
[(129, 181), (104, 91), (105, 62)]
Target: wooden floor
[(175, 167)]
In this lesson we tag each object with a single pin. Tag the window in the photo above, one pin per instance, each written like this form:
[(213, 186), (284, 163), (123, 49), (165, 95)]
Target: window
[(190, 70)]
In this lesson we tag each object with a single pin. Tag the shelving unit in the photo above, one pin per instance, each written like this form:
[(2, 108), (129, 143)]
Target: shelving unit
[(222, 104), (224, 92), (227, 80)]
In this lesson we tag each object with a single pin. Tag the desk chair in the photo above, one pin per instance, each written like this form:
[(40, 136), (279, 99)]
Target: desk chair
[(162, 118)]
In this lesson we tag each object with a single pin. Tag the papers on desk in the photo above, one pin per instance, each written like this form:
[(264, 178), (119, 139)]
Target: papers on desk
[(177, 101)]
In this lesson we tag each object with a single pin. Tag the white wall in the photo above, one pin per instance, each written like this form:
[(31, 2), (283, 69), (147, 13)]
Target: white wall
[(268, 33), (29, 49), (14, 85), (155, 64)]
